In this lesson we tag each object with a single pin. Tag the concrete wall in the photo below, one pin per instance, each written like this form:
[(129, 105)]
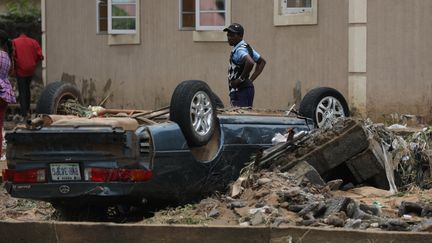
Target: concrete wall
[(56, 232), (399, 57), (144, 75)]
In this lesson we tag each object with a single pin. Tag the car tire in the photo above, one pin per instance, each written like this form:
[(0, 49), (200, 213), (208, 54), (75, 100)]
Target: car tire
[(192, 108), (54, 94), (323, 105)]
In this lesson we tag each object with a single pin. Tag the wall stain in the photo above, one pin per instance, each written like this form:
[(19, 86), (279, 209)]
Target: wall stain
[(68, 78), (107, 86), (88, 91), (297, 94), (160, 99)]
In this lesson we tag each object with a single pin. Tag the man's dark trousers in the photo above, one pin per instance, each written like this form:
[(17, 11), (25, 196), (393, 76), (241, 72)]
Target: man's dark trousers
[(24, 94), (243, 97)]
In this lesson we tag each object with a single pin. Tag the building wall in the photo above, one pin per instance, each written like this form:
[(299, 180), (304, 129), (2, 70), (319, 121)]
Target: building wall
[(399, 57), (144, 75)]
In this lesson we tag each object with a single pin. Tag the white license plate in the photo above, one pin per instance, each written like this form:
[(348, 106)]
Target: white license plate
[(65, 172)]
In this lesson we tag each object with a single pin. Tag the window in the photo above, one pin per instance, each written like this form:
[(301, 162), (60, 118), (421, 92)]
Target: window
[(204, 14), (295, 12), (101, 16), (122, 16), (296, 6), (187, 14)]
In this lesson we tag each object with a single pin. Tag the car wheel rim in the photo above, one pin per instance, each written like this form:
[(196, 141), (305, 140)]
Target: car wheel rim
[(201, 113), (328, 109)]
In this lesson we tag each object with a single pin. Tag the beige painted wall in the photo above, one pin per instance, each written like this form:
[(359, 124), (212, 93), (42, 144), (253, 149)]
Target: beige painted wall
[(399, 57), (144, 76)]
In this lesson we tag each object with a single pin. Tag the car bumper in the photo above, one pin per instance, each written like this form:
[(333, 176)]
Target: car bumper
[(58, 191)]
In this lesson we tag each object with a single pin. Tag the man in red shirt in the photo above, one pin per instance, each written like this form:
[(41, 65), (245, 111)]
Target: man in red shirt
[(27, 53)]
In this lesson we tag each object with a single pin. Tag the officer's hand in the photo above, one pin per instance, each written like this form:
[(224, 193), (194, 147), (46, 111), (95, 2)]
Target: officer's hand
[(235, 83)]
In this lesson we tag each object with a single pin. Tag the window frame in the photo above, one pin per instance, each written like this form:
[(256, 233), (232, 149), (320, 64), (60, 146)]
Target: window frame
[(110, 18), (308, 17), (200, 27), (287, 10), (181, 12), (98, 16)]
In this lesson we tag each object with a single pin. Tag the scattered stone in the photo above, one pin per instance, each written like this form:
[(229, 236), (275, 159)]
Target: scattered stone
[(242, 212), (263, 181), (214, 213), (308, 208), (303, 170), (257, 219), (296, 208), (374, 210), (425, 226), (366, 225), (260, 204), (278, 221), (394, 225), (374, 225), (426, 211), (286, 205), (265, 209), (410, 207), (236, 204), (337, 204), (290, 193), (354, 211), (347, 187), (308, 222), (335, 220), (334, 184), (353, 223), (244, 224), (262, 193), (11, 203)]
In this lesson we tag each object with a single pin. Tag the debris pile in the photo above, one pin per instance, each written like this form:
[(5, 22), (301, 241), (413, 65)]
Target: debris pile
[(319, 179), (22, 209), (277, 199)]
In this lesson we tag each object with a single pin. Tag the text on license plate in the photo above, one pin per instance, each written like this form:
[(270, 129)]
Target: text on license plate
[(65, 172)]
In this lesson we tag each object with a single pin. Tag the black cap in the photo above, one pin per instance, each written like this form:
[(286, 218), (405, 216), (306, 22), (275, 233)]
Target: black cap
[(235, 28)]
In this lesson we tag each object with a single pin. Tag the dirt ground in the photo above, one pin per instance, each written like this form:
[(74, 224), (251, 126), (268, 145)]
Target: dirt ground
[(259, 203)]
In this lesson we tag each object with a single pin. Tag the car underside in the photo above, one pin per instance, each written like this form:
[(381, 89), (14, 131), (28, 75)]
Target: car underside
[(94, 160), (178, 153)]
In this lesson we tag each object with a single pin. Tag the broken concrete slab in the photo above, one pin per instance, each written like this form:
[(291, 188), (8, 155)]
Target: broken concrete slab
[(351, 140), (304, 170), (327, 149), (367, 163)]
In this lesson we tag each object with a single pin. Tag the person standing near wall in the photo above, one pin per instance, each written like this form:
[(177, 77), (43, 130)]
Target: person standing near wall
[(242, 60), (6, 92), (27, 53)]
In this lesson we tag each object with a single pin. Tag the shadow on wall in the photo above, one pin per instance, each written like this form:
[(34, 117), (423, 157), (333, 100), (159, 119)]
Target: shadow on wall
[(89, 90)]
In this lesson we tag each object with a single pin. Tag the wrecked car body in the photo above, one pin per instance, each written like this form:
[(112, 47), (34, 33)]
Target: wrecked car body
[(169, 167), (135, 157)]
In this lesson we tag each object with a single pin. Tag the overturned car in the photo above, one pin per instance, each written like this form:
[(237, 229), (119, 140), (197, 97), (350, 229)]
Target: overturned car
[(174, 154)]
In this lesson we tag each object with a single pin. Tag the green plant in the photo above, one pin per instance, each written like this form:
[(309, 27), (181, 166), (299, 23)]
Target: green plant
[(22, 8)]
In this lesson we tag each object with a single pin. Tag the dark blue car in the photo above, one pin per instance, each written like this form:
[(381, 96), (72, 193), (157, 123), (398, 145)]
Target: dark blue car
[(194, 150)]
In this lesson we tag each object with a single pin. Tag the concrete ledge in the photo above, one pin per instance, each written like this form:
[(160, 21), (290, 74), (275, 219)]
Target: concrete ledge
[(47, 232)]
